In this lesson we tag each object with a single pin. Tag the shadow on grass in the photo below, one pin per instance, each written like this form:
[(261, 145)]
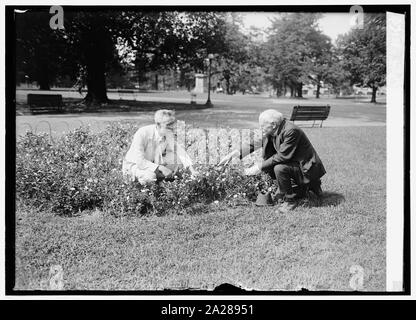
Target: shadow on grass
[(76, 106), (328, 199)]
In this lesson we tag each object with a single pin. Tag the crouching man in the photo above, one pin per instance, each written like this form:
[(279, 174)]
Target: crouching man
[(152, 155), (288, 157)]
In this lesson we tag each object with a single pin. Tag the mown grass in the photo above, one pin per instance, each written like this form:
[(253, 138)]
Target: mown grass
[(312, 247)]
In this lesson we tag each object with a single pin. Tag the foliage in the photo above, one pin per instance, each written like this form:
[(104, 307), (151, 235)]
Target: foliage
[(363, 53), (82, 171), (96, 42), (295, 48), (41, 55), (119, 47)]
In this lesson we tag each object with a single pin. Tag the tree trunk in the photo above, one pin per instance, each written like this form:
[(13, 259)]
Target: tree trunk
[(43, 77), (300, 85), (227, 85), (318, 88), (292, 92), (182, 80), (156, 85), (373, 94), (44, 83), (227, 76), (97, 90)]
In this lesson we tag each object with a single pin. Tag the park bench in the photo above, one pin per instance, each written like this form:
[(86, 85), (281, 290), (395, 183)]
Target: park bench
[(126, 93), (45, 103), (310, 113)]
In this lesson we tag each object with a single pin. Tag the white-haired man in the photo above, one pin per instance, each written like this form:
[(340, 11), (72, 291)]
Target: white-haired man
[(288, 157), (151, 156)]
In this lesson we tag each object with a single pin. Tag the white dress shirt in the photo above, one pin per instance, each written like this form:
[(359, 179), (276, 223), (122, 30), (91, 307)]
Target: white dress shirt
[(148, 150)]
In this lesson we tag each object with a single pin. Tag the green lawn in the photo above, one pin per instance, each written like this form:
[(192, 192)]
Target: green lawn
[(256, 248)]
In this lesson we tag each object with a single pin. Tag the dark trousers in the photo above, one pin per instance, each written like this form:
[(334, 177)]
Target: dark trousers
[(288, 178)]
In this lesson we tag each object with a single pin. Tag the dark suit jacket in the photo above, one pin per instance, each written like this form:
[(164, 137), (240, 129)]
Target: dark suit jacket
[(289, 144)]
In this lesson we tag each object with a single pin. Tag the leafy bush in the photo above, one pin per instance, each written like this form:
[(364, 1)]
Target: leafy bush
[(82, 171)]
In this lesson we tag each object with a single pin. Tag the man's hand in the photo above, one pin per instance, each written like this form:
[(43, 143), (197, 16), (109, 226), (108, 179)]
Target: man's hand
[(167, 173), (228, 157), (175, 168), (253, 170)]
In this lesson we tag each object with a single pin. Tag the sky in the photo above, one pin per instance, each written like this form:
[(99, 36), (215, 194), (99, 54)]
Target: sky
[(331, 24)]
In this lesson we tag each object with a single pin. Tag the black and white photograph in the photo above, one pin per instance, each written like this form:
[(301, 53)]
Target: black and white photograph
[(215, 150)]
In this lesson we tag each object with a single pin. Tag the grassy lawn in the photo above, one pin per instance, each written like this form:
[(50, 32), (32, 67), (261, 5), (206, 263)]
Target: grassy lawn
[(256, 248), (240, 111)]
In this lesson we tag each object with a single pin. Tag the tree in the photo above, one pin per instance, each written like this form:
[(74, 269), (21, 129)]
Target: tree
[(297, 52), (40, 51), (231, 50), (290, 49), (180, 41), (93, 37), (320, 59), (364, 53), (85, 48), (94, 43)]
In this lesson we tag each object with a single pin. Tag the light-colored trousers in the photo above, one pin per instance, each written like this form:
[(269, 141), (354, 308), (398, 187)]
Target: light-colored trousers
[(131, 172)]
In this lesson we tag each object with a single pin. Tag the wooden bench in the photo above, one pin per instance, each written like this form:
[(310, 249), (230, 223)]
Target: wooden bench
[(310, 113), (45, 103), (126, 92)]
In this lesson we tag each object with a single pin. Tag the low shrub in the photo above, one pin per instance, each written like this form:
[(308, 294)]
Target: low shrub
[(82, 171)]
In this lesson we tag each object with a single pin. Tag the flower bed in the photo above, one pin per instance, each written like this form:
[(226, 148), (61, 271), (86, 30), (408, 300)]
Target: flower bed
[(82, 171)]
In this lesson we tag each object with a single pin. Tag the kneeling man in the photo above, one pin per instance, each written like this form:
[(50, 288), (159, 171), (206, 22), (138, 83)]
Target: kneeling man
[(288, 156), (151, 156)]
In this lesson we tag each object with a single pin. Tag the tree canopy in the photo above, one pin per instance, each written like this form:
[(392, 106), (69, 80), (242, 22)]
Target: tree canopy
[(363, 53), (96, 44), (297, 52), (97, 41)]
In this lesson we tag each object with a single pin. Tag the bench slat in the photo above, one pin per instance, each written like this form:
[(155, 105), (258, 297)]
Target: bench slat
[(311, 108), (316, 117), (307, 113), (311, 112)]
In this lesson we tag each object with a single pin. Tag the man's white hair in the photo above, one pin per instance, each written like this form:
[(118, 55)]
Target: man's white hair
[(164, 115), (270, 116)]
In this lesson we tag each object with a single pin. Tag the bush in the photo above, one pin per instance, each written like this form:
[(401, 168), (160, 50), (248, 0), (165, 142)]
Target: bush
[(82, 171)]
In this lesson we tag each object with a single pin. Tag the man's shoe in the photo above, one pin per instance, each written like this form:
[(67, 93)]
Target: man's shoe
[(315, 187), (286, 206), (278, 197), (300, 191)]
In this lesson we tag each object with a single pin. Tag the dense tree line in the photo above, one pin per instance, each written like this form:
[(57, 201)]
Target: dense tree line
[(96, 45)]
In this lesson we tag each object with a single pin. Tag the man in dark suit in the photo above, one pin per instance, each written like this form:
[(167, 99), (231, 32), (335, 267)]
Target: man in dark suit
[(288, 157)]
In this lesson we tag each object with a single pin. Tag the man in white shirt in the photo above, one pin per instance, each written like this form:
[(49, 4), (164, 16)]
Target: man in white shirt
[(152, 156)]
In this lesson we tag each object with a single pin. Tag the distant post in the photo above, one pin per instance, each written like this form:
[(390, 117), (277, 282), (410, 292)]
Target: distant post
[(210, 57)]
